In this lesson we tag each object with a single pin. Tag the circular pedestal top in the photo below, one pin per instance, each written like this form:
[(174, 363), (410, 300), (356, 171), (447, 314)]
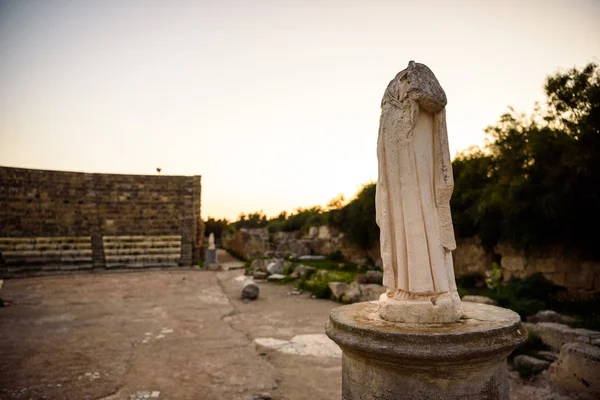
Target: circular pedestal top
[(483, 331)]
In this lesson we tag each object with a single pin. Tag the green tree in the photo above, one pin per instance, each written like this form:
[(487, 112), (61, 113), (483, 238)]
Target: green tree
[(536, 181)]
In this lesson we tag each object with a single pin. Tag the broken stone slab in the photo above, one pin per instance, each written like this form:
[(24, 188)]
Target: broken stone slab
[(551, 316), (527, 365), (480, 299), (371, 291), (276, 277), (374, 277), (250, 291), (260, 275), (275, 267), (345, 293), (303, 272), (555, 335), (316, 345), (311, 258), (577, 368), (355, 292), (547, 355)]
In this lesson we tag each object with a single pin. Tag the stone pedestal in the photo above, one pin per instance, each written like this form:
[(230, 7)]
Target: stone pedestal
[(390, 360), (210, 259)]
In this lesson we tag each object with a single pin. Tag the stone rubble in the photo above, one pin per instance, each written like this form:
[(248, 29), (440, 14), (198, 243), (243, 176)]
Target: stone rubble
[(551, 316), (577, 368), (555, 335)]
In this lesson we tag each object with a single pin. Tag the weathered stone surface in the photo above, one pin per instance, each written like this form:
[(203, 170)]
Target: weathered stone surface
[(248, 243), (344, 292), (337, 289), (577, 368), (97, 205), (276, 277), (555, 335), (414, 187), (260, 275), (303, 272), (551, 316), (250, 291), (374, 277), (480, 299), (311, 258), (470, 257), (210, 256), (527, 365), (355, 292), (275, 267), (547, 355), (316, 345), (371, 291), (461, 360)]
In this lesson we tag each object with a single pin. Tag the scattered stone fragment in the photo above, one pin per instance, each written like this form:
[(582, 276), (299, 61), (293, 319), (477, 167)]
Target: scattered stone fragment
[(337, 289), (551, 316), (555, 335), (303, 272), (527, 365), (480, 299), (250, 291), (155, 394), (355, 292), (577, 368), (371, 292), (547, 355), (276, 277), (275, 268), (260, 275), (374, 277), (311, 258), (316, 345)]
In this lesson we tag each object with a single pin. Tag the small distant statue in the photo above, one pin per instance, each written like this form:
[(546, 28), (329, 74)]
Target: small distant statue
[(414, 187), (211, 241)]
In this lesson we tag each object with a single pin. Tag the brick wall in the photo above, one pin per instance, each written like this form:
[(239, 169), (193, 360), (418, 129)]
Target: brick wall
[(40, 203)]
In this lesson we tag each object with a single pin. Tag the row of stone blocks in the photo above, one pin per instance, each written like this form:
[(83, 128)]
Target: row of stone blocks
[(75, 252), (142, 251), (46, 253)]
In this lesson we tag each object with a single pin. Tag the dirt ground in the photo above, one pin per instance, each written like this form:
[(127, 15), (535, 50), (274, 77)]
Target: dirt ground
[(171, 334)]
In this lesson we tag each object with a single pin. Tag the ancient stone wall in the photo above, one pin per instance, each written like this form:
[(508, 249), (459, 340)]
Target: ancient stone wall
[(469, 257), (40, 203)]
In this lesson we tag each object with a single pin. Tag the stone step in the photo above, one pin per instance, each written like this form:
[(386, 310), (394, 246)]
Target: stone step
[(42, 261), (46, 253), (144, 244), (137, 251), (44, 239), (157, 238), (44, 246)]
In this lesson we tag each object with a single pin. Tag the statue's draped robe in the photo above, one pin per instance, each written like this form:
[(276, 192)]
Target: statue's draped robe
[(414, 187)]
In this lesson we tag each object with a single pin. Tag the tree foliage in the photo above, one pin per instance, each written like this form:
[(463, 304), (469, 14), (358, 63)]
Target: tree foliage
[(536, 182)]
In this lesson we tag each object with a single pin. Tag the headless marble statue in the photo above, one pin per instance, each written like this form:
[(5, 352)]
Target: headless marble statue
[(413, 201)]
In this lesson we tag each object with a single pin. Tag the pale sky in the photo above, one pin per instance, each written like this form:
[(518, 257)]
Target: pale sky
[(275, 103)]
